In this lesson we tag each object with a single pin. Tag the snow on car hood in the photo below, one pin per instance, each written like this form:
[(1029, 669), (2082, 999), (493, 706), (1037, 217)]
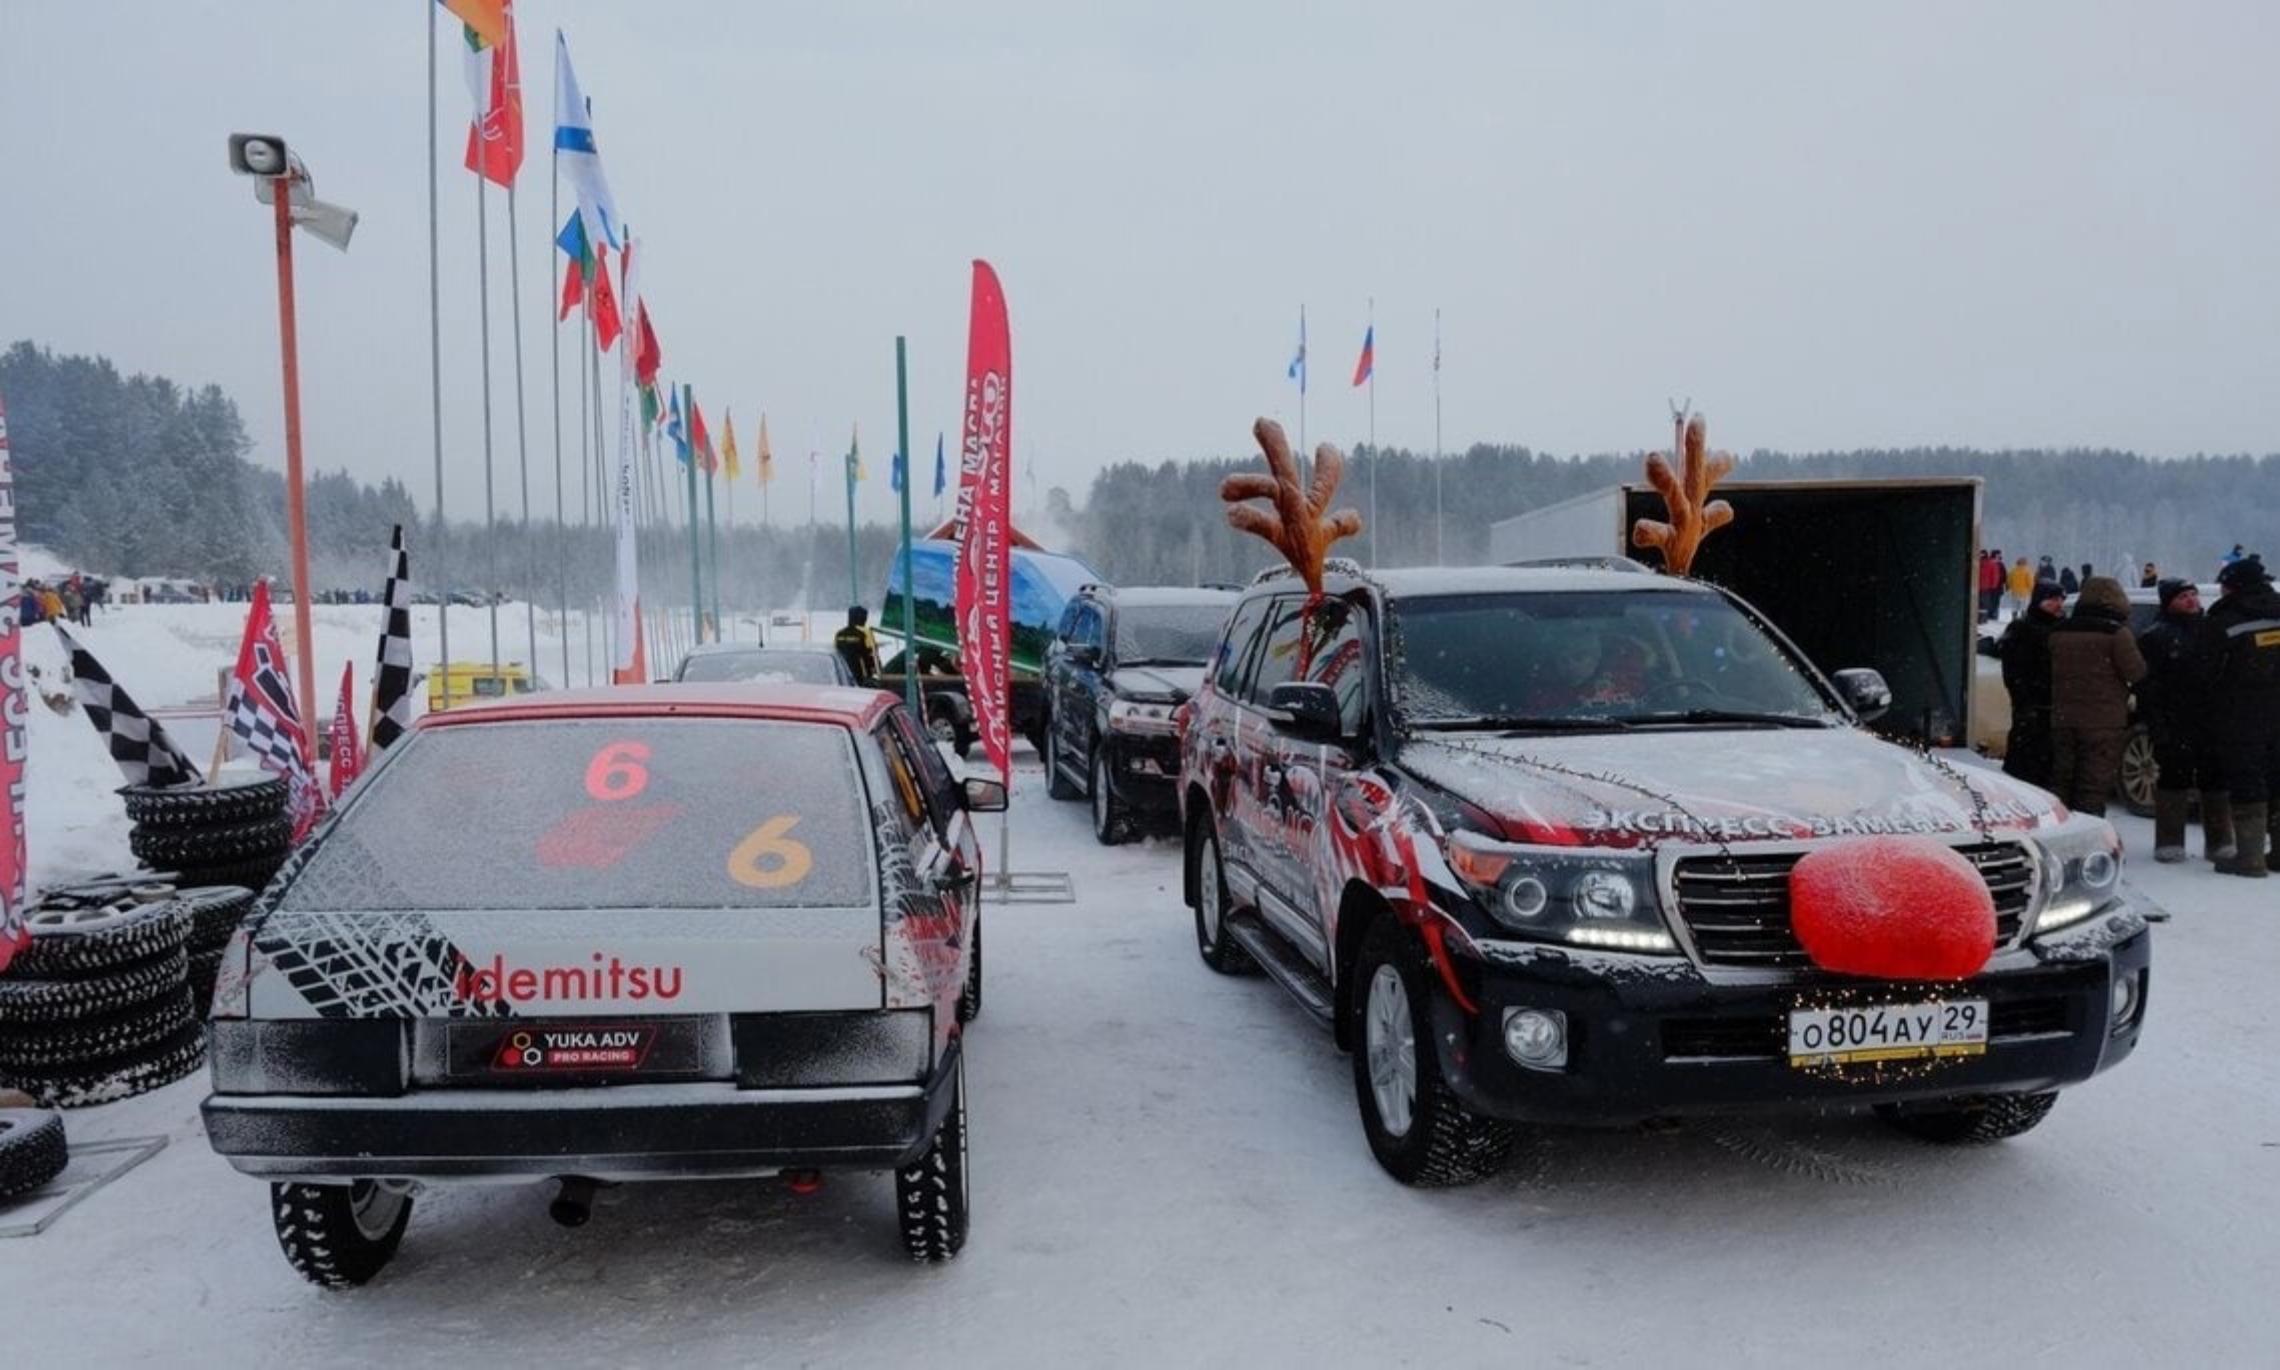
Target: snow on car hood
[(1175, 683), (1718, 785)]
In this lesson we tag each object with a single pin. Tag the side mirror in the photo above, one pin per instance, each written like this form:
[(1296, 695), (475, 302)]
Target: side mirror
[(1865, 692), (1306, 710), (984, 796)]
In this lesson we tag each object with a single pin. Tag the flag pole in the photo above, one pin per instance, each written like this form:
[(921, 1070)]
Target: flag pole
[(554, 339), (728, 484), (1440, 553), (854, 587), (696, 559), (522, 430), (1375, 559), (585, 470), (601, 485), (1303, 455), (712, 549), (435, 370), (490, 486), (909, 631)]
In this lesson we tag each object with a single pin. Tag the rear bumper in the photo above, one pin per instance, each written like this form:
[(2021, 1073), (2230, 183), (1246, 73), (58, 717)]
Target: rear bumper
[(707, 1129), (1657, 1041)]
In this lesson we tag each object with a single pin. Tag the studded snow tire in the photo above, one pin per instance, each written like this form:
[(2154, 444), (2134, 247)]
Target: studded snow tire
[(1971, 1122), (32, 1149), (338, 1236), (1440, 1143), (23, 999), (119, 1077), (78, 941), (170, 849), (931, 1192), (238, 799), (58, 1046)]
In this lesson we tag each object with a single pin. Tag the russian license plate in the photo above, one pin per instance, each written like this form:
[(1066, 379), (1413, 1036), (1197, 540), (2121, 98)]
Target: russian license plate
[(1887, 1032)]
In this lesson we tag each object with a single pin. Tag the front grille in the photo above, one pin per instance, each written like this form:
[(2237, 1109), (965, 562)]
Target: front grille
[(1763, 1036), (1737, 909)]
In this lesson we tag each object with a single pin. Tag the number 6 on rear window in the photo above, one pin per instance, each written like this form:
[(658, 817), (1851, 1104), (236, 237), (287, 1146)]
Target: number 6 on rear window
[(617, 771), (769, 857)]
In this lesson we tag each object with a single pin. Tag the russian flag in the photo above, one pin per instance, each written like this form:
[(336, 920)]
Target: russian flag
[(1368, 361)]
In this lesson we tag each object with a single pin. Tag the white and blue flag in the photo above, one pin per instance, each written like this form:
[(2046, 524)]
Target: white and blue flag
[(581, 162)]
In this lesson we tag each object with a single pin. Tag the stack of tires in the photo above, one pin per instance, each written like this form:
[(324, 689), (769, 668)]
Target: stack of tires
[(99, 1006), (234, 832)]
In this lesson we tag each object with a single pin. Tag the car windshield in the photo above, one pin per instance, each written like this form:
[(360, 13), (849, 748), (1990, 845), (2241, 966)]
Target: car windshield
[(1173, 634), (604, 813), (775, 667), (1586, 659)]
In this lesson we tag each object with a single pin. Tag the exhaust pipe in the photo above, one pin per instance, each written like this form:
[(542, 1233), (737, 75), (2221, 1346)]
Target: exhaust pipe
[(574, 1203)]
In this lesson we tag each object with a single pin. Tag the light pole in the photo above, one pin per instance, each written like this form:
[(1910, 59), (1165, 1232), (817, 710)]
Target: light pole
[(281, 180)]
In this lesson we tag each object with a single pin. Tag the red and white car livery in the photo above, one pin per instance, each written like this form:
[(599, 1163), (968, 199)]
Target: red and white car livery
[(1523, 839), (660, 932)]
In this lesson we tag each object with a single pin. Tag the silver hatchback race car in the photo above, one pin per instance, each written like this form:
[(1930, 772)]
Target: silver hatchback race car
[(662, 932)]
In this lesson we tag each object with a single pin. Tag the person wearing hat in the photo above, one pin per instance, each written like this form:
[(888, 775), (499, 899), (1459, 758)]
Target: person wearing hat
[(2174, 703), (2240, 659), (858, 646), (2093, 663), (2026, 675)]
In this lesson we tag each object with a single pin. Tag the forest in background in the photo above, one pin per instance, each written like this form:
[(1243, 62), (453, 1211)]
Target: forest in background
[(140, 476)]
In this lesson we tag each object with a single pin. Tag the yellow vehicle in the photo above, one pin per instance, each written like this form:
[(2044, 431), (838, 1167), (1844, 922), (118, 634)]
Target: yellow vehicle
[(475, 680)]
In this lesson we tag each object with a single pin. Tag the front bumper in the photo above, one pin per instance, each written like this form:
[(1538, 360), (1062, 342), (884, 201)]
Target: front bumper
[(1144, 771), (1657, 1038), (690, 1130)]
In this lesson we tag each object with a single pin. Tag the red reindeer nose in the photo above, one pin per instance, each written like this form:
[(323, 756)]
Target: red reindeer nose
[(1897, 908)]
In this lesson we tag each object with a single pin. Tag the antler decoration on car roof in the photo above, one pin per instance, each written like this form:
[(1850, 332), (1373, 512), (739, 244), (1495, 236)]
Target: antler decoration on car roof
[(1296, 524), (1693, 514)]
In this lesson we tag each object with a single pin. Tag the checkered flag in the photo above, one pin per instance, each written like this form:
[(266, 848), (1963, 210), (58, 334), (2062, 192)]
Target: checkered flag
[(392, 683), (262, 719), (146, 755)]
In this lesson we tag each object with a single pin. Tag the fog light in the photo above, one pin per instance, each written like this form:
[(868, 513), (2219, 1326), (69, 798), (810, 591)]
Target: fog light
[(1536, 1038), (2125, 1000)]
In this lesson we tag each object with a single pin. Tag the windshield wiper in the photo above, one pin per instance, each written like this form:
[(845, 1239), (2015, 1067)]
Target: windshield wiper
[(1519, 723), (1768, 720), (1154, 661)]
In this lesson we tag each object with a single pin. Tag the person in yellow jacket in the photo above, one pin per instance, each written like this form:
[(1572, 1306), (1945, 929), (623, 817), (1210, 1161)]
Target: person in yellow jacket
[(2020, 584)]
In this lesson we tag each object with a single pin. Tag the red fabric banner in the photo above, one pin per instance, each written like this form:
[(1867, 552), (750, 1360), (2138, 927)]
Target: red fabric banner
[(342, 738), (495, 136), (13, 934), (985, 521)]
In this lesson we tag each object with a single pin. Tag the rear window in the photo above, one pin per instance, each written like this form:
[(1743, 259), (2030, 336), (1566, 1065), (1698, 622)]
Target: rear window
[(603, 813), (781, 668)]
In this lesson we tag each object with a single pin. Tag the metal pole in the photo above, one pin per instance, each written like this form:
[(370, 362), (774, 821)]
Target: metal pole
[(585, 474), (696, 560), (522, 432), (1440, 554), (712, 544), (601, 493), (561, 512), (854, 587), (490, 486), (435, 377), (296, 507), (1375, 558), (902, 439), (1304, 363)]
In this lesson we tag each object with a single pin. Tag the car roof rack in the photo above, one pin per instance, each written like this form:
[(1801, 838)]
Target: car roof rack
[(1606, 563)]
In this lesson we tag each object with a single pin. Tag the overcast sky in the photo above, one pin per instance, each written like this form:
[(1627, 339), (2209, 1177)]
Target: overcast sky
[(1830, 225)]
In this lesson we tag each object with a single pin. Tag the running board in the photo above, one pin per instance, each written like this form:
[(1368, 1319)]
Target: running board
[(1281, 963)]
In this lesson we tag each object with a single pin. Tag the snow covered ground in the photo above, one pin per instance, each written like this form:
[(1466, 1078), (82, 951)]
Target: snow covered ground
[(1169, 1171)]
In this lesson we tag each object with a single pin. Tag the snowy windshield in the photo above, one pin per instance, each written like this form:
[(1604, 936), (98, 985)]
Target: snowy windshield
[(776, 667), (1610, 657), (1171, 634), (602, 813)]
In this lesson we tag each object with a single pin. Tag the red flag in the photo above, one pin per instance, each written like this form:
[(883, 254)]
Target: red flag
[(647, 356), (985, 519), (573, 288), (262, 717), (607, 325), (14, 935), (700, 439), (495, 138), (342, 738)]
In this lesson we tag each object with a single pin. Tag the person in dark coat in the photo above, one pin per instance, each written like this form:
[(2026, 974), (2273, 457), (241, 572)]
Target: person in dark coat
[(2069, 582), (2240, 658), (2093, 663), (2174, 704), (857, 646), (2026, 675)]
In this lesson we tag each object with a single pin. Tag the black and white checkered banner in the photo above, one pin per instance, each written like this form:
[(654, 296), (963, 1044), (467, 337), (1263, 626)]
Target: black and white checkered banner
[(146, 755), (392, 682)]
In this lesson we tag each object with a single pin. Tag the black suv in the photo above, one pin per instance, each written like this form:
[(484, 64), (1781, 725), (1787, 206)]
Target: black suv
[(1524, 840), (1121, 662)]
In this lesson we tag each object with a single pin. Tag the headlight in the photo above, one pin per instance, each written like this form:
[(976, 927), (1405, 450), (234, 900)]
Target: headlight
[(1560, 894), (2082, 870), (1134, 716)]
